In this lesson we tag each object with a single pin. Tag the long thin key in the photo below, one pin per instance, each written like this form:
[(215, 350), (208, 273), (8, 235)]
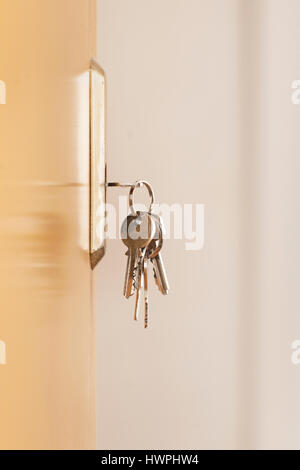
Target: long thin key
[(138, 284), (145, 277)]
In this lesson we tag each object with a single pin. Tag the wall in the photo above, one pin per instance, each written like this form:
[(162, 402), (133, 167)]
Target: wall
[(199, 105)]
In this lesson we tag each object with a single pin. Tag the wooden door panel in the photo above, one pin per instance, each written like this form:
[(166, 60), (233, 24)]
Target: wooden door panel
[(47, 386)]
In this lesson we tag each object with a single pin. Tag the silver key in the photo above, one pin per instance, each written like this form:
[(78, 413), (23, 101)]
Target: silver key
[(130, 273), (138, 281), (154, 255), (160, 274), (146, 305), (137, 231), (141, 280)]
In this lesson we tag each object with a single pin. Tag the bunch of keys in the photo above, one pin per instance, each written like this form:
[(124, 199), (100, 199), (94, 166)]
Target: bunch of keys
[(142, 233)]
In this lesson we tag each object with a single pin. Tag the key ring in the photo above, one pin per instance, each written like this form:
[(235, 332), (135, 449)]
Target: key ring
[(133, 186), (139, 184)]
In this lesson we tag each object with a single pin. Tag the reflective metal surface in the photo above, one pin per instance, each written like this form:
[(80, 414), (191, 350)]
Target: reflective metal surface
[(97, 163)]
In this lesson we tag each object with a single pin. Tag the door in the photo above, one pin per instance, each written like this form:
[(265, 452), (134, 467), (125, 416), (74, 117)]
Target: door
[(47, 360)]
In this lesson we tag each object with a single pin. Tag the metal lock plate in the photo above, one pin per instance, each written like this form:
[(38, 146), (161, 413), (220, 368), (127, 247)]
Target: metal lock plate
[(97, 163)]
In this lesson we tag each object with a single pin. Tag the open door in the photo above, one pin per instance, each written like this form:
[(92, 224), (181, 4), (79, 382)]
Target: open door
[(47, 333)]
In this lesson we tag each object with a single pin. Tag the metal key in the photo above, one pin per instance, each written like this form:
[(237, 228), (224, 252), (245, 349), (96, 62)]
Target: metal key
[(141, 280), (137, 232), (146, 306), (128, 289), (138, 281), (154, 255), (160, 274)]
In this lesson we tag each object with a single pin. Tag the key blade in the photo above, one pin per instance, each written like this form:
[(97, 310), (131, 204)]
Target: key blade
[(129, 279), (126, 274), (137, 305), (138, 290), (161, 276), (146, 304), (157, 282)]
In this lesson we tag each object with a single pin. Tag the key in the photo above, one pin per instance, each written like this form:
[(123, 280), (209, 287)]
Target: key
[(138, 286), (141, 280), (145, 276), (155, 256), (130, 274), (152, 249), (160, 274), (137, 232)]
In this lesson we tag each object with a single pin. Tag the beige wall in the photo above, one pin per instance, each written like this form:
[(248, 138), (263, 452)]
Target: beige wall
[(199, 104), (278, 203)]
